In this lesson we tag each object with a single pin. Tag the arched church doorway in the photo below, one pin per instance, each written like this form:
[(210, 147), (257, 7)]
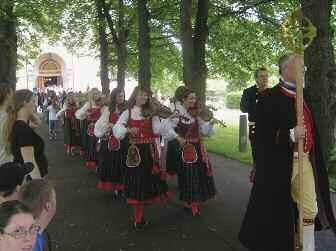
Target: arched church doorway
[(50, 70)]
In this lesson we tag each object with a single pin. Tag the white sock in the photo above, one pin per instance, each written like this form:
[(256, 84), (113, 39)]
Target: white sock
[(308, 238)]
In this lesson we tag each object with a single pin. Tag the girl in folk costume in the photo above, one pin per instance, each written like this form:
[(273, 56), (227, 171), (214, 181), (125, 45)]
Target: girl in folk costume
[(144, 181), (91, 111), (71, 124), (195, 176), (173, 145), (112, 152), (82, 100)]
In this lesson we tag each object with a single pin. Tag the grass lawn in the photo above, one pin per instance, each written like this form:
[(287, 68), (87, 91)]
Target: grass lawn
[(225, 142), (332, 179)]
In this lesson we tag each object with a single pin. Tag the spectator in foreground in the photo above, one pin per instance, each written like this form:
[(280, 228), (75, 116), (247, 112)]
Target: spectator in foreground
[(12, 176), (40, 197), (18, 230), (26, 144)]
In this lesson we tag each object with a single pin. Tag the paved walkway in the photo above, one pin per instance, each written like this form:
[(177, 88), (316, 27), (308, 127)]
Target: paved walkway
[(89, 220)]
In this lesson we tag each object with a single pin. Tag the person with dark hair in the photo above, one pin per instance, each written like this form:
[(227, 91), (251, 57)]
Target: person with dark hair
[(26, 144), (248, 104), (18, 229), (144, 180), (271, 221), (12, 176), (91, 112), (112, 152), (176, 101), (173, 145), (6, 101), (195, 174), (39, 196), (71, 125)]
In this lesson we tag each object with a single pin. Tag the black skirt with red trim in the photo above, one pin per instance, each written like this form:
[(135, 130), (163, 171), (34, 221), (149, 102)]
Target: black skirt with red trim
[(196, 181), (72, 134), (173, 157), (84, 136), (91, 152), (111, 166), (145, 183)]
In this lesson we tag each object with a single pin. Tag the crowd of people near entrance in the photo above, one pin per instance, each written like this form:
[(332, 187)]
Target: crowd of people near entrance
[(136, 145)]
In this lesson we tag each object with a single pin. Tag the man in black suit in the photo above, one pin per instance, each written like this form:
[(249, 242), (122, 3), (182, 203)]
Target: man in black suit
[(270, 222), (248, 104)]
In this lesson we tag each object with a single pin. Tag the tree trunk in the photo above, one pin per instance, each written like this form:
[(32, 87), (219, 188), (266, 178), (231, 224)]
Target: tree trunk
[(321, 74), (103, 47), (144, 45), (200, 39), (193, 46), (120, 41), (8, 42), (121, 46), (122, 63), (187, 42)]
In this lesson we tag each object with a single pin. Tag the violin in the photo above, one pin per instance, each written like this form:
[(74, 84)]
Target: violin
[(205, 112), (158, 109)]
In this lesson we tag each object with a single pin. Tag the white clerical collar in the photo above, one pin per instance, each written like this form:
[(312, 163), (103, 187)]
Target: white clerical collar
[(288, 87), (292, 85)]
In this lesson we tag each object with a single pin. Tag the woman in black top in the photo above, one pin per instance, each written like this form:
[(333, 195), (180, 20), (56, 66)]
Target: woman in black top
[(26, 144)]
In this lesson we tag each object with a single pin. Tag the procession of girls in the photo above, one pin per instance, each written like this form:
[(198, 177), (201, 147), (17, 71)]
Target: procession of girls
[(122, 142)]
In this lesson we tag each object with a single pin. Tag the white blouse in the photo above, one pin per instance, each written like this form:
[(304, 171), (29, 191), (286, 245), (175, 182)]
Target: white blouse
[(102, 124), (205, 128), (120, 130), (81, 113)]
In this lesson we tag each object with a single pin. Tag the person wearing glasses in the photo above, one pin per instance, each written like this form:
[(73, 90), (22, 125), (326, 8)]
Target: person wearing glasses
[(18, 229), (40, 197)]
